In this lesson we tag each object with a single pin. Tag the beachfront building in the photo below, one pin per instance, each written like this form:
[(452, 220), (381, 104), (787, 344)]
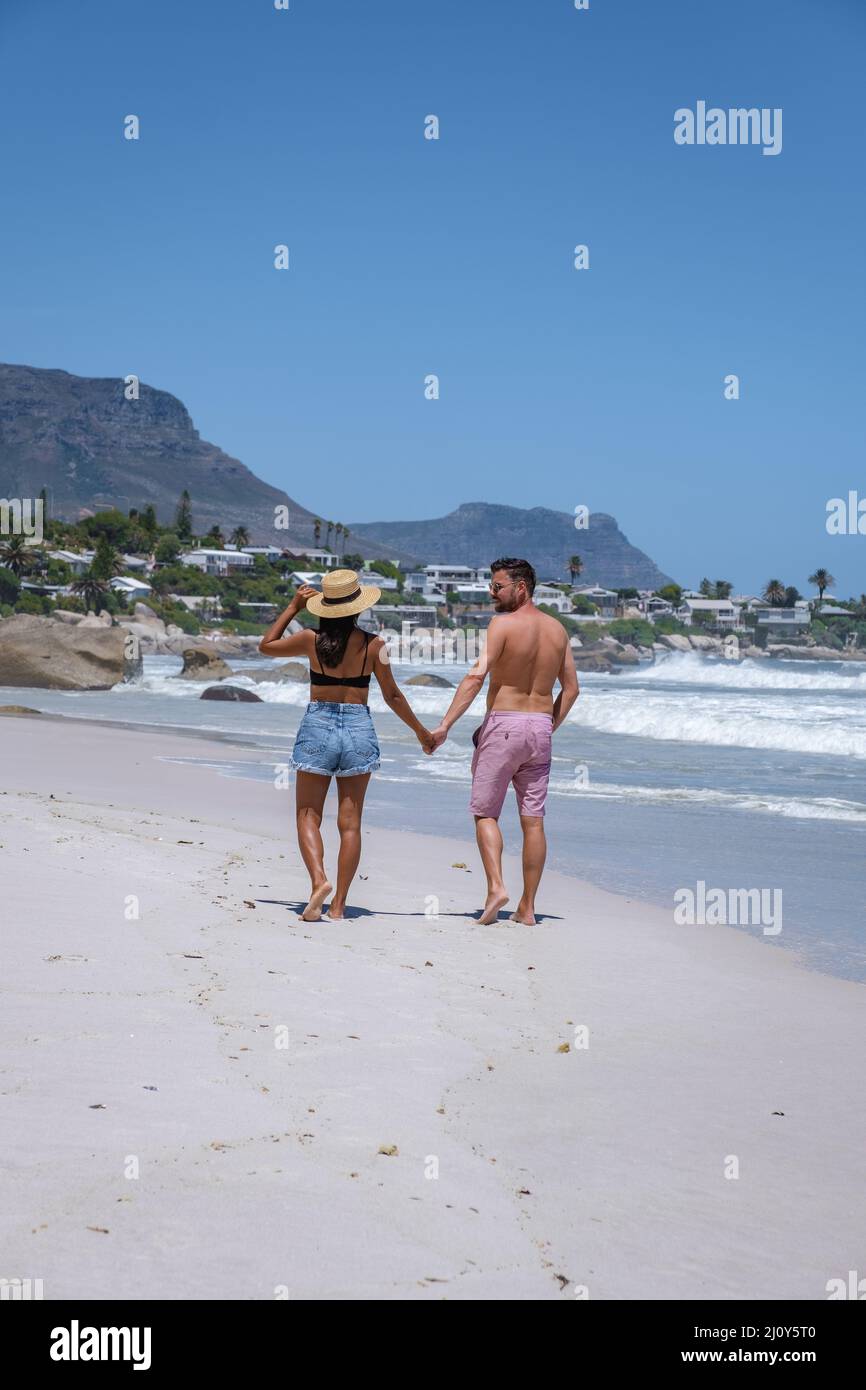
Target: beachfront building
[(719, 613), (654, 607), (130, 588), (272, 553), (384, 581), (218, 562), (326, 558), (605, 600), (783, 622), (204, 606), (435, 581), (416, 615), (552, 597)]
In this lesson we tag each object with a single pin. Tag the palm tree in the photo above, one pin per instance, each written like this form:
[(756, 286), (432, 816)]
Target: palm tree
[(705, 588), (329, 529), (774, 593), (18, 556), (338, 531), (575, 567), (240, 537), (216, 538), (90, 589), (822, 579), (345, 539), (317, 531), (722, 588)]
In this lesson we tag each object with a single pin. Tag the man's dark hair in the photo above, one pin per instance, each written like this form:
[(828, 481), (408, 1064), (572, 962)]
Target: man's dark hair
[(517, 569)]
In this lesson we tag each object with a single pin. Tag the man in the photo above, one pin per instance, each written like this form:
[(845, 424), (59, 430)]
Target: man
[(526, 653)]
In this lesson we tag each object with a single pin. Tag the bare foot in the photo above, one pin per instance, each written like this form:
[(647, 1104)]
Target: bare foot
[(313, 911), (336, 912), (491, 908), (524, 915)]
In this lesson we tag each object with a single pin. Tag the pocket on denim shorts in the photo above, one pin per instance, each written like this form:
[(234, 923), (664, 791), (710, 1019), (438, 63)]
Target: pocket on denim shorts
[(364, 743)]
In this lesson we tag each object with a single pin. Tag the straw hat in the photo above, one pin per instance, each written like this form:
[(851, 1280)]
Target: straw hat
[(342, 595)]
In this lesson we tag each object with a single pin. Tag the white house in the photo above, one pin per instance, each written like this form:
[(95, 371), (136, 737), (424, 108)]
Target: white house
[(130, 588), (384, 581), (782, 621), (326, 558), (552, 597), (217, 562), (720, 612), (604, 599)]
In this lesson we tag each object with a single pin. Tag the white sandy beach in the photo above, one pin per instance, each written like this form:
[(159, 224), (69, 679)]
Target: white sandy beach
[(258, 1165)]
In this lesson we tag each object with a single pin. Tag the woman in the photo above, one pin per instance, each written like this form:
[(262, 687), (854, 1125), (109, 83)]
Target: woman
[(336, 737)]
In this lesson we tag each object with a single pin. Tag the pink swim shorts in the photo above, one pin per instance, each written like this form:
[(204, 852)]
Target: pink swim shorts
[(512, 747)]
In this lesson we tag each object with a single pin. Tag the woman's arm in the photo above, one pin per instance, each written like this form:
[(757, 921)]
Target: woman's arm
[(274, 643), (396, 700)]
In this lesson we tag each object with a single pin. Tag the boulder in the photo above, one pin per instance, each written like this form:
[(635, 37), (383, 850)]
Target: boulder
[(203, 664), (48, 655), (626, 656), (702, 642), (142, 614), (675, 642), (64, 615), (289, 671), (426, 678), (593, 661), (18, 709), (232, 692)]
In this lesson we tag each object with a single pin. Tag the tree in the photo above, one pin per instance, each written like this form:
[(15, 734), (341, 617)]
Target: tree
[(722, 589), (168, 547), (345, 539), (240, 537), (10, 586), (18, 555), (792, 595), (106, 562), (575, 567), (672, 593), (92, 590), (216, 538), (183, 517), (317, 532), (328, 530), (822, 579), (774, 593), (338, 531), (148, 521), (705, 588)]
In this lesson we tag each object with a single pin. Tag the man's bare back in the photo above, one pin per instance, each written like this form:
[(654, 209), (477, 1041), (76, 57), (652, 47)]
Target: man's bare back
[(525, 666)]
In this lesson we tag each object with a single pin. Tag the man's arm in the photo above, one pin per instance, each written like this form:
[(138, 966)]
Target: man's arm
[(568, 687), (471, 684)]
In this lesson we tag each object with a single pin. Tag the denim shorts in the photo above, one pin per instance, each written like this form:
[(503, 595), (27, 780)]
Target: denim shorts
[(336, 740)]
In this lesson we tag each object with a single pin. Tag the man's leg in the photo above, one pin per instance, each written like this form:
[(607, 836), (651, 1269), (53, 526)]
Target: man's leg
[(310, 792), (534, 855), (489, 838)]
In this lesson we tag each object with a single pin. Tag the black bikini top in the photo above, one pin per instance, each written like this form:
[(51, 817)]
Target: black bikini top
[(357, 682)]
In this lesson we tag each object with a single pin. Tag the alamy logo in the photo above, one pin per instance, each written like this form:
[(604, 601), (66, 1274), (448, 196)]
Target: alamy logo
[(21, 516), (855, 1288), (733, 907), (846, 518), (75, 1343), (736, 126), (21, 1290)]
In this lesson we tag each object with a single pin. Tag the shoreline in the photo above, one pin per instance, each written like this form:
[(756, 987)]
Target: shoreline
[(603, 1167)]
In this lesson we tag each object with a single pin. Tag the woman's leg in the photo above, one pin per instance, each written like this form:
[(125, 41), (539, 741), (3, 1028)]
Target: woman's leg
[(310, 792), (351, 791)]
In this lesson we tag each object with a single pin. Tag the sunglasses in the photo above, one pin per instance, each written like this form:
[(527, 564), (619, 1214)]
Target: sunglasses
[(494, 588)]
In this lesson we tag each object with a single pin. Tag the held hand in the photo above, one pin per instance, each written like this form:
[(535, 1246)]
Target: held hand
[(425, 738), (438, 736)]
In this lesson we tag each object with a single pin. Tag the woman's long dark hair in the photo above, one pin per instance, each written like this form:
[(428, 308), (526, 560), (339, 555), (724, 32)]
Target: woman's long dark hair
[(332, 639)]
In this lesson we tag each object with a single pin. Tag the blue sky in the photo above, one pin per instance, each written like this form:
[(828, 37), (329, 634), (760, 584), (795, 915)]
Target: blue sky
[(454, 257)]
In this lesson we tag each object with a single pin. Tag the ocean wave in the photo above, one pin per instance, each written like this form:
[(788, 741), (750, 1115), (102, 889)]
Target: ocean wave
[(689, 668)]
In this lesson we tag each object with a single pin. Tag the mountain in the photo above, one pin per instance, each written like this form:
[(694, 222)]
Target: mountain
[(90, 447), (478, 532)]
